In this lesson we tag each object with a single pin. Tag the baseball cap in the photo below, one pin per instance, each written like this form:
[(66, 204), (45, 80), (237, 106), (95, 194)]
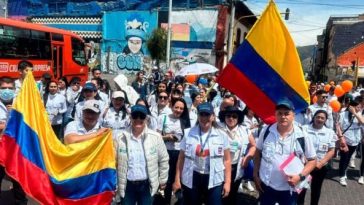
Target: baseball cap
[(285, 103), (205, 108), (139, 108), (92, 105), (89, 86), (118, 94)]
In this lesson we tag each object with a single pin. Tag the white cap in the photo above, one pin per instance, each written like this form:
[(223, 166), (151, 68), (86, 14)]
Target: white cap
[(92, 105), (118, 94)]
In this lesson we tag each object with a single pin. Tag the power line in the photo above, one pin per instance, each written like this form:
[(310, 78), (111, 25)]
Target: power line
[(352, 6), (314, 29)]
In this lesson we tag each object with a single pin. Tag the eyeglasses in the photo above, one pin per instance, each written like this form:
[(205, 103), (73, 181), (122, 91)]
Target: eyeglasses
[(235, 116), (138, 115), (163, 97), (204, 114)]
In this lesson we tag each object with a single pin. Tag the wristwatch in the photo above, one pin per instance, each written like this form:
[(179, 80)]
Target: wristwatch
[(302, 177)]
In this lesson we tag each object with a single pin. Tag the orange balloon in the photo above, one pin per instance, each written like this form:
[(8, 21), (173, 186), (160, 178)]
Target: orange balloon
[(327, 87), (339, 91), (347, 85), (191, 78), (314, 99), (335, 105)]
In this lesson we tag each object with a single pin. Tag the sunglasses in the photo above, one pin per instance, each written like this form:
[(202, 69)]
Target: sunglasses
[(163, 97), (324, 96), (75, 83), (138, 115), (235, 116), (204, 114)]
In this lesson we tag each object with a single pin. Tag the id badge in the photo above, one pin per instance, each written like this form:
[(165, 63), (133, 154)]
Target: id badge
[(323, 148)]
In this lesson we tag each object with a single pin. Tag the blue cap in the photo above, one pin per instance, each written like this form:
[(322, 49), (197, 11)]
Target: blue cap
[(139, 108), (205, 108), (285, 103), (89, 86), (203, 81)]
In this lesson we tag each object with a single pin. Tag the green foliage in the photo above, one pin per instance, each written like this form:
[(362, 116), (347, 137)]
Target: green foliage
[(157, 44)]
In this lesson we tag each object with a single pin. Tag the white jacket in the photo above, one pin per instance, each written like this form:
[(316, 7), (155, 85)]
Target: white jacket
[(155, 154)]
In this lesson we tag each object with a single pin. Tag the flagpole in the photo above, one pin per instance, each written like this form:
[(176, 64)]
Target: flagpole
[(231, 32)]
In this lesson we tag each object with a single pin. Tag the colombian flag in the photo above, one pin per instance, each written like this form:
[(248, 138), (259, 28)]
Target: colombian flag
[(50, 172), (266, 68)]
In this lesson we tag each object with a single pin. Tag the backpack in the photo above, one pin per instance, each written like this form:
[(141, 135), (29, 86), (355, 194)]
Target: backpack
[(300, 140)]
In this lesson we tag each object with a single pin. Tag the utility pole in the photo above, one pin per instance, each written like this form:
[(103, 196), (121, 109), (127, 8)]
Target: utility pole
[(356, 71), (5, 8), (169, 34), (231, 31)]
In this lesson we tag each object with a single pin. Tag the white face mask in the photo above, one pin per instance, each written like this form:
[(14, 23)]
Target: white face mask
[(7, 95)]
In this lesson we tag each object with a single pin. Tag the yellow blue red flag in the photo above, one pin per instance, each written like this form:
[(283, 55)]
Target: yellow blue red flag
[(48, 171), (266, 68)]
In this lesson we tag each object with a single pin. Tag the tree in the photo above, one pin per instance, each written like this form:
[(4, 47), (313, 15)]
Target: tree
[(157, 45)]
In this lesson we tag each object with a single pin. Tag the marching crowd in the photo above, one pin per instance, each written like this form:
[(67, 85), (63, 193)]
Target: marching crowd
[(197, 141)]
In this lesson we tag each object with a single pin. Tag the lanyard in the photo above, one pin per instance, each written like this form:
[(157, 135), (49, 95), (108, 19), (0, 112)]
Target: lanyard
[(203, 144)]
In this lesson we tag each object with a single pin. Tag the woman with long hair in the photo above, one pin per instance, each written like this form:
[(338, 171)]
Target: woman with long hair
[(349, 134), (56, 106), (62, 86), (172, 128)]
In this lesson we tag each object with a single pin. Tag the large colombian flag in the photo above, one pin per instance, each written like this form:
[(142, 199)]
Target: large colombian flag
[(266, 68), (50, 172)]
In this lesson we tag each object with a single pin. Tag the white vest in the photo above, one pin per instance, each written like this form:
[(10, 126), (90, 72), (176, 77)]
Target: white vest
[(216, 149)]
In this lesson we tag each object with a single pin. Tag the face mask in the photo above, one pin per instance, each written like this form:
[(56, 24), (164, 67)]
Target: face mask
[(6, 95)]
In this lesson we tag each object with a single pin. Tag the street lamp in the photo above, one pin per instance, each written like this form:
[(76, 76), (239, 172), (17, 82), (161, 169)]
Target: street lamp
[(232, 28)]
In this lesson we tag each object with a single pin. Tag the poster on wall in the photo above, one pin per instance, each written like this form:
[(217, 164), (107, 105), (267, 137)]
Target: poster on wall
[(124, 40), (193, 36)]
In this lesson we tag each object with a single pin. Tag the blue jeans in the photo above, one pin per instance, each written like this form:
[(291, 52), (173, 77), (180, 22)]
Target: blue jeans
[(137, 192), (200, 192), (271, 196)]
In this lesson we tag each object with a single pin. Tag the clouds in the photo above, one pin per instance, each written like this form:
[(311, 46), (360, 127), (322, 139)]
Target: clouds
[(308, 18)]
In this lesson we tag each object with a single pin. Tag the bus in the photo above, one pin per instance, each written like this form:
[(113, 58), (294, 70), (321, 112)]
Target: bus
[(56, 51)]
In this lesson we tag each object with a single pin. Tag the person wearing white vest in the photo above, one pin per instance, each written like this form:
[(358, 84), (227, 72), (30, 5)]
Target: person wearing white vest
[(242, 147), (324, 140), (172, 128), (204, 166), (349, 133), (275, 145), (142, 160)]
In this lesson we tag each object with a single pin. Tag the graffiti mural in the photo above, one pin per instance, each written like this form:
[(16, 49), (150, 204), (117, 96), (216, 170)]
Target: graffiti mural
[(125, 34)]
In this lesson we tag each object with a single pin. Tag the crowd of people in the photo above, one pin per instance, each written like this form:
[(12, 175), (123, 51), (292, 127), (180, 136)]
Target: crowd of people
[(196, 141)]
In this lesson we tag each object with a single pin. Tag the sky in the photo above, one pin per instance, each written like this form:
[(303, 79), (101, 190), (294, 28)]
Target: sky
[(308, 18)]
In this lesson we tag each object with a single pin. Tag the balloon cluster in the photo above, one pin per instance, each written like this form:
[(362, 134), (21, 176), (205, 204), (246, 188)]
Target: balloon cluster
[(339, 91)]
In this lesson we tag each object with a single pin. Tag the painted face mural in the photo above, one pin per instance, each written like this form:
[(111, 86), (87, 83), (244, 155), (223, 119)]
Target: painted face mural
[(132, 55)]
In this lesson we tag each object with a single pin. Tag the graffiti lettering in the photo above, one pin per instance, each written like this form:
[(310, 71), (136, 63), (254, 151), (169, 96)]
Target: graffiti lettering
[(130, 62)]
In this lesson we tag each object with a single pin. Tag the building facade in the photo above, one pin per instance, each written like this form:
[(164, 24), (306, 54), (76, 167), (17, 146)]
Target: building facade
[(341, 39)]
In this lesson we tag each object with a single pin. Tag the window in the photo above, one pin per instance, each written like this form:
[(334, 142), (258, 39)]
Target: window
[(18, 43), (78, 52)]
